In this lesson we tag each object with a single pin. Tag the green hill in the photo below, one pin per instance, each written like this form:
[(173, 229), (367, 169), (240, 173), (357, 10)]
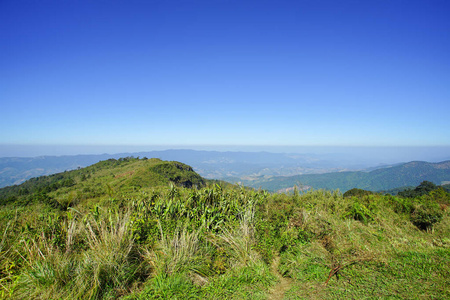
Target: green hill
[(106, 178), (151, 229), (409, 174)]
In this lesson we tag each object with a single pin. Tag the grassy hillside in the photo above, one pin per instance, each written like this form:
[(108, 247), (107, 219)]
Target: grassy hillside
[(149, 229), (409, 174), (109, 178), (16, 170)]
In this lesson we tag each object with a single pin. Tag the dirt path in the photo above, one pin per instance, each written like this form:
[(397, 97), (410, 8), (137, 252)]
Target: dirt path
[(284, 284)]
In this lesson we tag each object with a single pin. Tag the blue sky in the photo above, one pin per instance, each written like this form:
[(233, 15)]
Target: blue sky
[(225, 72)]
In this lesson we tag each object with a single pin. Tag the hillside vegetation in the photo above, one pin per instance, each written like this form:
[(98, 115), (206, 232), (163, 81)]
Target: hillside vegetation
[(150, 229), (105, 178)]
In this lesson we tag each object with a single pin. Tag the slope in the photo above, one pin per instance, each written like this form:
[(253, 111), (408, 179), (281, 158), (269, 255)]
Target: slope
[(105, 178)]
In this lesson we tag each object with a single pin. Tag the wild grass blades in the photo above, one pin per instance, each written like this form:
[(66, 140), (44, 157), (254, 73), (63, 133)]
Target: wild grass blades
[(241, 282), (106, 263), (7, 263), (111, 261), (238, 242), (3, 241), (71, 234), (175, 286), (48, 273), (3, 244), (179, 252)]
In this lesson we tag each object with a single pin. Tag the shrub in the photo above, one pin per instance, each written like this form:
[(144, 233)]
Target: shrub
[(359, 212), (425, 214), (357, 193), (399, 204)]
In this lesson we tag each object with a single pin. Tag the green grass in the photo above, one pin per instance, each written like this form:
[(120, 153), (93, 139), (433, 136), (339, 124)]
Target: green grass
[(112, 236)]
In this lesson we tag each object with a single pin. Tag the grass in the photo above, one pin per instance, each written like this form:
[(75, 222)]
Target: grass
[(108, 263), (385, 257), (219, 241), (180, 253)]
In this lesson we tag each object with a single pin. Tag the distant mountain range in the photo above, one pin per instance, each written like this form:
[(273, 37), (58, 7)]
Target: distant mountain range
[(209, 164), (270, 171), (407, 174)]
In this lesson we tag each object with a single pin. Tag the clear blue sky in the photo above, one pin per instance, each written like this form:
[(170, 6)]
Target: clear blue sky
[(225, 72)]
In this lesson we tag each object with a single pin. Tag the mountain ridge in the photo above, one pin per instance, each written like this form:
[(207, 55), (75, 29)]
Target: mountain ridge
[(407, 174), (271, 171), (209, 164)]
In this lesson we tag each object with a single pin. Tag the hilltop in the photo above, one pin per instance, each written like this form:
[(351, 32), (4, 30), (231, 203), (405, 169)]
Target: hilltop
[(104, 178)]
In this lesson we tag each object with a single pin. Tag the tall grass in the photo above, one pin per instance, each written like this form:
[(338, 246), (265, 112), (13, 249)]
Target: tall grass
[(180, 252), (107, 265), (218, 243), (111, 261), (48, 273), (238, 242), (7, 262)]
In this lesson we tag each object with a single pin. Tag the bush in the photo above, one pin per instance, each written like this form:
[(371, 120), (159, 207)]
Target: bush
[(359, 212), (425, 214), (400, 205), (423, 188), (357, 193)]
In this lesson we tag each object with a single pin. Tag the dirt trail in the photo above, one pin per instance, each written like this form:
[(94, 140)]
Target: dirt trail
[(284, 284)]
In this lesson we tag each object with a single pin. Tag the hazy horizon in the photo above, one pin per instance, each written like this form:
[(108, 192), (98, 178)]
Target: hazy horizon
[(374, 155)]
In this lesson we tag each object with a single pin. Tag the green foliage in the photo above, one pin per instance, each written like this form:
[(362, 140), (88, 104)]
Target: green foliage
[(357, 193), (180, 253), (179, 173), (426, 213), (108, 264), (424, 204), (400, 205), (302, 267), (243, 282), (36, 188), (360, 212), (128, 174), (163, 286), (131, 229), (424, 188)]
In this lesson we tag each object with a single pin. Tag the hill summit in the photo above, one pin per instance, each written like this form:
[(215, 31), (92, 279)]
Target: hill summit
[(105, 178)]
